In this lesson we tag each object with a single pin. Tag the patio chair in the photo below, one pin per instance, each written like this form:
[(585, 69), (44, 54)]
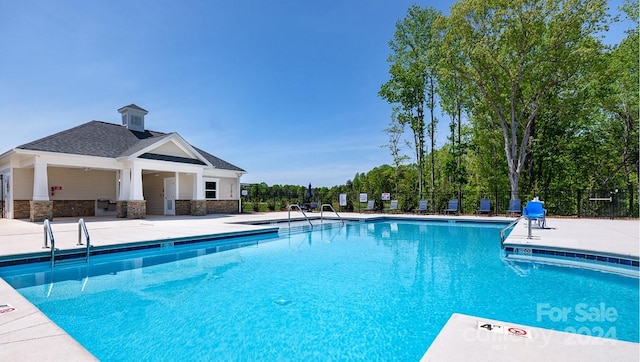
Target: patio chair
[(515, 207), (370, 205), (485, 207), (393, 207), (422, 206), (452, 207), (535, 212)]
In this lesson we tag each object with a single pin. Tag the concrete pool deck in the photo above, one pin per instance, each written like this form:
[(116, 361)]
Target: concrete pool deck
[(27, 334)]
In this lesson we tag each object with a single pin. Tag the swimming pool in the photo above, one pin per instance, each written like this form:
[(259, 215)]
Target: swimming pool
[(378, 290)]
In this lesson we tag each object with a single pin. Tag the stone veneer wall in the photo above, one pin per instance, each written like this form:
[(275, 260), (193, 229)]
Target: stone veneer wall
[(222, 206), (21, 209), (40, 210), (136, 209), (183, 207), (65, 208), (198, 207), (121, 209)]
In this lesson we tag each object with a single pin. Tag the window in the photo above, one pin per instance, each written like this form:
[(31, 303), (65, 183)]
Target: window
[(211, 189), (136, 120)]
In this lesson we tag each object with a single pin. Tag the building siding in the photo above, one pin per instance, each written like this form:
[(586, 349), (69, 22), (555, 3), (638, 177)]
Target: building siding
[(78, 184)]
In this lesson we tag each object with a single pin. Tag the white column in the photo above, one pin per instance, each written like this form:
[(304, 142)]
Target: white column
[(125, 184), (136, 184), (40, 180), (239, 194), (198, 186), (177, 176)]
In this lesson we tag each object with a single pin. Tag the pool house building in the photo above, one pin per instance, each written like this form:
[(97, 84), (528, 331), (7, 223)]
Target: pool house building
[(123, 170)]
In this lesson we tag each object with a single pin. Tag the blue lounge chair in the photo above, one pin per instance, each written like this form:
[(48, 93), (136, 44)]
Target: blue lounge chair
[(452, 207), (422, 206), (515, 207), (393, 206), (535, 212), (485, 207)]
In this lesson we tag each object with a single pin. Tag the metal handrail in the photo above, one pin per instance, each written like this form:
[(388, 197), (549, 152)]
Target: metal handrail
[(504, 230), (299, 208), (332, 209), (82, 226), (48, 235)]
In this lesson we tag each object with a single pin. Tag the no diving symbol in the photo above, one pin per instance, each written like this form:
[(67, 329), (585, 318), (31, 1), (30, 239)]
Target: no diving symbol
[(517, 332), (6, 308)]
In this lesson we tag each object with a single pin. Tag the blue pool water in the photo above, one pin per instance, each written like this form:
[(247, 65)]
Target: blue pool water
[(368, 291)]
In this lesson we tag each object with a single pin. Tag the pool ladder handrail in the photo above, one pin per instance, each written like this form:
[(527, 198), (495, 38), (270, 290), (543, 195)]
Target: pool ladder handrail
[(332, 209), (504, 230), (302, 211), (48, 235), (83, 227)]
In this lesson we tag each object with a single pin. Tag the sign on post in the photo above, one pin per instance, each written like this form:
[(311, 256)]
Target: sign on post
[(363, 198)]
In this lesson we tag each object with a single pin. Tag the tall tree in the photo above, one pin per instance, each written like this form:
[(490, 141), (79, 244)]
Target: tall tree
[(516, 51), (412, 84), (622, 102), (395, 131)]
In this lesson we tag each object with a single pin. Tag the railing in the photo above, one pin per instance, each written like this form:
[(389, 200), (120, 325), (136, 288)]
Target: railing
[(48, 235), (504, 230), (332, 209), (83, 227), (298, 206)]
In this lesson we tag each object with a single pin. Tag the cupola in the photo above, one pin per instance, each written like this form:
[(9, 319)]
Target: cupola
[(133, 117)]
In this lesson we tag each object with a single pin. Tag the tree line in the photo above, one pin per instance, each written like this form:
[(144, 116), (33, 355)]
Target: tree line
[(534, 99)]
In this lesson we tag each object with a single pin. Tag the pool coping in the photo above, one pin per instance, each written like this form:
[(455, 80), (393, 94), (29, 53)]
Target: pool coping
[(463, 339)]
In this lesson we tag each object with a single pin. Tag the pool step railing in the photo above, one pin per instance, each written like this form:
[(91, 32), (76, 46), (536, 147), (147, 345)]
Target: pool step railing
[(332, 209), (48, 236), (504, 231), (292, 206), (83, 227), (49, 239)]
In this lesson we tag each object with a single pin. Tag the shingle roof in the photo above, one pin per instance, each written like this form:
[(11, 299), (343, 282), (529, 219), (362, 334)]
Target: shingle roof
[(104, 139), (134, 106)]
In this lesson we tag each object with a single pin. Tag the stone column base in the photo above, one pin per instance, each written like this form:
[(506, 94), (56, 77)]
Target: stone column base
[(198, 207), (40, 210), (136, 209), (121, 209)]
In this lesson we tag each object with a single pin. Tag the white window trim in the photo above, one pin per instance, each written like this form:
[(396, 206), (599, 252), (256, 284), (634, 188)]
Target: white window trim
[(204, 185)]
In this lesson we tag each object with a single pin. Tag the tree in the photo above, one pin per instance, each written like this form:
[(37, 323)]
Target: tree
[(395, 131), (514, 53), (621, 102), (412, 83)]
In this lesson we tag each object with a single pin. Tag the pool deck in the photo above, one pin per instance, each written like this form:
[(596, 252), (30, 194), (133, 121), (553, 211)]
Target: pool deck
[(27, 334)]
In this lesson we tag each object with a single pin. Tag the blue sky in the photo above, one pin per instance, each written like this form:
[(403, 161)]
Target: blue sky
[(286, 90)]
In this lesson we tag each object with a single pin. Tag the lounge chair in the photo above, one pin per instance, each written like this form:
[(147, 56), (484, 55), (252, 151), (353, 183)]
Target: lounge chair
[(485, 207), (452, 207), (393, 206), (515, 207), (370, 205), (535, 212), (422, 206)]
